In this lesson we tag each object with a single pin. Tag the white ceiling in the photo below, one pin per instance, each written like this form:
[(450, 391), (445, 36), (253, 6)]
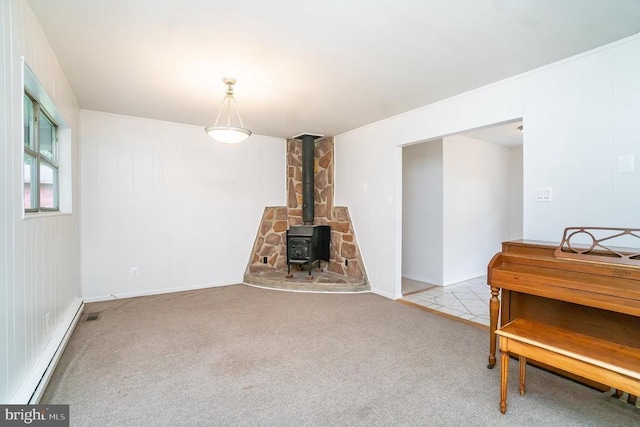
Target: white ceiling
[(311, 66), (505, 134)]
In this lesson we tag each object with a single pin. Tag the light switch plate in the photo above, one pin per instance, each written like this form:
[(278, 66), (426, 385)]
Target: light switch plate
[(544, 194), (625, 164)]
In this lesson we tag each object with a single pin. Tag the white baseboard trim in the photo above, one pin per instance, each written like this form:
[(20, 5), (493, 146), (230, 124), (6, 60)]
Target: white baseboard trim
[(385, 294), (112, 297), (462, 279), (35, 384), (428, 281)]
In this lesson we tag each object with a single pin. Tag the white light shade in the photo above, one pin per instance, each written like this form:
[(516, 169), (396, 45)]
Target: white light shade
[(228, 135)]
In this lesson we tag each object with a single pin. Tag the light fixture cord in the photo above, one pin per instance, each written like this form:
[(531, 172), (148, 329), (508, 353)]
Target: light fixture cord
[(227, 99), (220, 111), (235, 104)]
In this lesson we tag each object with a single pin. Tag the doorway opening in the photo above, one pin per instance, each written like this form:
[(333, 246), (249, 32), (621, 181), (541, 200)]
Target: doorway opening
[(461, 198)]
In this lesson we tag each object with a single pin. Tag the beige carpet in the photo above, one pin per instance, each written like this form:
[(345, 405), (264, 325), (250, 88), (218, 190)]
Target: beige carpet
[(239, 355)]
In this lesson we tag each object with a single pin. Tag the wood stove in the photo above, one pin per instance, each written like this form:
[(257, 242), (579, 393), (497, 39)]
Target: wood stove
[(307, 244)]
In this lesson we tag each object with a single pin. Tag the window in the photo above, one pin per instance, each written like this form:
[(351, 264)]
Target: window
[(40, 165)]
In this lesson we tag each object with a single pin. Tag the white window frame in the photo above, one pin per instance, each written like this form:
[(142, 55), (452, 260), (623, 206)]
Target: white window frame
[(39, 112), (65, 154)]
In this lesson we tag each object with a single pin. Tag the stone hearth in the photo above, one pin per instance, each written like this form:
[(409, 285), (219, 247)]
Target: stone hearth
[(268, 263), (322, 282)]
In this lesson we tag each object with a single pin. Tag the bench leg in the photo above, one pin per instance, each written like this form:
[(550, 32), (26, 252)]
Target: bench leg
[(504, 374), (523, 373)]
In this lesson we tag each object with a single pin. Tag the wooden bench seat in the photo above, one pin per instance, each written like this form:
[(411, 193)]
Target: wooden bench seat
[(606, 362)]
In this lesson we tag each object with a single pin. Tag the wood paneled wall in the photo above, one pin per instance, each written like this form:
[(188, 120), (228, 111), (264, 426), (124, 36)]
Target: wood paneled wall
[(39, 256)]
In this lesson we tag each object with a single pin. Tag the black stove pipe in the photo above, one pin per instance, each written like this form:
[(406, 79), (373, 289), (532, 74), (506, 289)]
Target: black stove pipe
[(308, 154), (307, 179)]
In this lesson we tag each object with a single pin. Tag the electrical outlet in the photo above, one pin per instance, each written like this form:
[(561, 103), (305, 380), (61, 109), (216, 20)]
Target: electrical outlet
[(47, 322), (134, 271)]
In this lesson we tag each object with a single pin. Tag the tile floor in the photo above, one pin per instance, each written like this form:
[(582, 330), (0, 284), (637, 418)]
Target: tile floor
[(468, 300)]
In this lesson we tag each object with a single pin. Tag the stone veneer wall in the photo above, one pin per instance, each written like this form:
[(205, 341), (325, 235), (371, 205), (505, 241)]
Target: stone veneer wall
[(345, 258)]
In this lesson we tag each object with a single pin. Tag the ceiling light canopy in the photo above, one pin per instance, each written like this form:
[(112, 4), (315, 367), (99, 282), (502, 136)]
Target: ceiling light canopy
[(228, 133)]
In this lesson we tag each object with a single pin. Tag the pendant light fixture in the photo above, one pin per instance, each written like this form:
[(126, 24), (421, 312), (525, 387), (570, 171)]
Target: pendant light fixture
[(226, 132)]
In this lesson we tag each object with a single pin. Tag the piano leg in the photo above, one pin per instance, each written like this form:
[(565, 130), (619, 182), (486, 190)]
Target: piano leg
[(494, 310)]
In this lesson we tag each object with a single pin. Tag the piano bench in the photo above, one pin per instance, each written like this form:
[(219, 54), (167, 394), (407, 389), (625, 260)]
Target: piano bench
[(615, 365)]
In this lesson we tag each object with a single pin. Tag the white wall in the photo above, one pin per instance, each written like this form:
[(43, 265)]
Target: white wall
[(476, 206), (572, 144), (422, 210), (167, 199), (580, 115), (39, 256), (515, 193)]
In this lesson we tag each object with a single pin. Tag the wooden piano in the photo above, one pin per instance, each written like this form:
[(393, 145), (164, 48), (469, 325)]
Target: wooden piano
[(592, 289)]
